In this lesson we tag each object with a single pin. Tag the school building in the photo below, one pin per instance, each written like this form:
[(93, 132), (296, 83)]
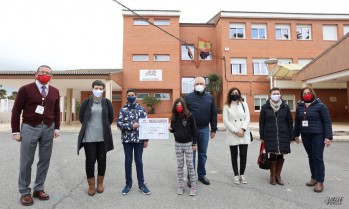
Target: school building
[(162, 56), (156, 63)]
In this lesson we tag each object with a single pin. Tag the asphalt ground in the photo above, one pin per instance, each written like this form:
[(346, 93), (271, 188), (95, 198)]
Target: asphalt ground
[(67, 186)]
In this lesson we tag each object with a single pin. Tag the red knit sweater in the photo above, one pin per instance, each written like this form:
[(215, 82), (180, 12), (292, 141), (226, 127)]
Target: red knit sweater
[(28, 98)]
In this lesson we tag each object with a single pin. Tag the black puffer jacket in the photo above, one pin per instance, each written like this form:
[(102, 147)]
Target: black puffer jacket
[(276, 131), (318, 117)]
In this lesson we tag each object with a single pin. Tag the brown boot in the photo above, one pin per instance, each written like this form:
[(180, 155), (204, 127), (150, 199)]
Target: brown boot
[(91, 186), (318, 187), (100, 187), (272, 172), (311, 183), (279, 164)]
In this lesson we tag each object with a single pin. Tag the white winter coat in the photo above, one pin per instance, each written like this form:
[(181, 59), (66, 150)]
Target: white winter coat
[(235, 120)]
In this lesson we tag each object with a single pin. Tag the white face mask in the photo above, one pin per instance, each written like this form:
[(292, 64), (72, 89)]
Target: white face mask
[(97, 92), (275, 98), (199, 88)]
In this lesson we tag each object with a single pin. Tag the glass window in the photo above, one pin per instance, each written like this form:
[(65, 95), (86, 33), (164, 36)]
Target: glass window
[(140, 57), (187, 85), (284, 61), (162, 96), (346, 29), (238, 66), (304, 32), (161, 22), (259, 31), (161, 57), (188, 52), (282, 32), (259, 67), (304, 61), (329, 32), (237, 31), (140, 22), (116, 97), (290, 101), (259, 101), (140, 96)]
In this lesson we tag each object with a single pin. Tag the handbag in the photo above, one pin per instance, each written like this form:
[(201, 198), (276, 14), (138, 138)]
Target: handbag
[(263, 159)]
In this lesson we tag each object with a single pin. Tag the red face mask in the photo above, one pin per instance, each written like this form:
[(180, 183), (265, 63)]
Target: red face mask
[(44, 78), (179, 109), (307, 97)]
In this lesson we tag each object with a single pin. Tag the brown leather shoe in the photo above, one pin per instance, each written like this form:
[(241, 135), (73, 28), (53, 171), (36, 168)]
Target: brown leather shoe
[(318, 187), (41, 195), (27, 200), (311, 183)]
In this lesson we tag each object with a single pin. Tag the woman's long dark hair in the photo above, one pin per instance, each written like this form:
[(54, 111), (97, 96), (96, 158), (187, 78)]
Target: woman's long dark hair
[(228, 101), (184, 114)]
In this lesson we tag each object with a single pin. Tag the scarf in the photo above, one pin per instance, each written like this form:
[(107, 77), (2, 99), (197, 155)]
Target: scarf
[(276, 106)]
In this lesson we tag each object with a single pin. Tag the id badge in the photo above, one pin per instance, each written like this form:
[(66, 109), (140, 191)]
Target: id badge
[(305, 123), (40, 109)]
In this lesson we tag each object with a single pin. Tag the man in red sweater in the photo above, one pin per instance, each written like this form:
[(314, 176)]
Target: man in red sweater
[(39, 105)]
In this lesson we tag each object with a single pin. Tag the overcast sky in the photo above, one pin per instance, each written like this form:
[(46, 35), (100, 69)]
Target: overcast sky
[(87, 34)]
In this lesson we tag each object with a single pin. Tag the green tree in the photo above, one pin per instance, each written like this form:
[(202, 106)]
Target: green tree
[(13, 95), (150, 102), (214, 85), (3, 93)]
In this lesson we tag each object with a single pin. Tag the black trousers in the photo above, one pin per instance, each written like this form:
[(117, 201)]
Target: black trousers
[(243, 158), (95, 151)]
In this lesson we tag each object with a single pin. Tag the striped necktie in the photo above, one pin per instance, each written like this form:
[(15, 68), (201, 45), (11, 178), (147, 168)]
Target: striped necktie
[(43, 91)]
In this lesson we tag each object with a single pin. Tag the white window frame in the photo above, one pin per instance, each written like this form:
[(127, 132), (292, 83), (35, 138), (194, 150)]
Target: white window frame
[(290, 97), (161, 22), (184, 55), (261, 67), (284, 29), (163, 96), (234, 27), (138, 21), (187, 85), (140, 57), (140, 96), (304, 29), (260, 97), (345, 29), (241, 64), (329, 32), (303, 61), (260, 28), (162, 58)]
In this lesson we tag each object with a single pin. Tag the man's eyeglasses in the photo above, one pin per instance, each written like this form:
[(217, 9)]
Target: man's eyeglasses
[(44, 73)]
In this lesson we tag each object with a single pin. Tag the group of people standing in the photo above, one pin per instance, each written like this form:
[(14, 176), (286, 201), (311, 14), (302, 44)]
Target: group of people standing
[(276, 130), (193, 122)]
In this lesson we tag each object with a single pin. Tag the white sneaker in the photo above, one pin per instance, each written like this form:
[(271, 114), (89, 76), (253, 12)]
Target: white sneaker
[(192, 191), (243, 179), (236, 180)]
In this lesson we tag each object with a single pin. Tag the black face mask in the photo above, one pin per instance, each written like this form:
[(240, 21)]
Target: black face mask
[(234, 97)]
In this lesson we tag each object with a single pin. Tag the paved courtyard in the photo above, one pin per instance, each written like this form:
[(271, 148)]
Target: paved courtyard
[(67, 186)]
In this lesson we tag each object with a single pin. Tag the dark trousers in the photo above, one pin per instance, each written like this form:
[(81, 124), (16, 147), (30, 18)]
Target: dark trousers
[(95, 151), (234, 158), (314, 146), (137, 148)]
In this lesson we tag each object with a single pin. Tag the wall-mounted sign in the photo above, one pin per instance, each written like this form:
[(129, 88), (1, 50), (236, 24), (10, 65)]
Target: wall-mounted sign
[(150, 75), (333, 99)]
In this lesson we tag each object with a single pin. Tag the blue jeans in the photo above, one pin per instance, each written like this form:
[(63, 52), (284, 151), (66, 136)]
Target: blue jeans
[(138, 152), (202, 145), (314, 146)]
